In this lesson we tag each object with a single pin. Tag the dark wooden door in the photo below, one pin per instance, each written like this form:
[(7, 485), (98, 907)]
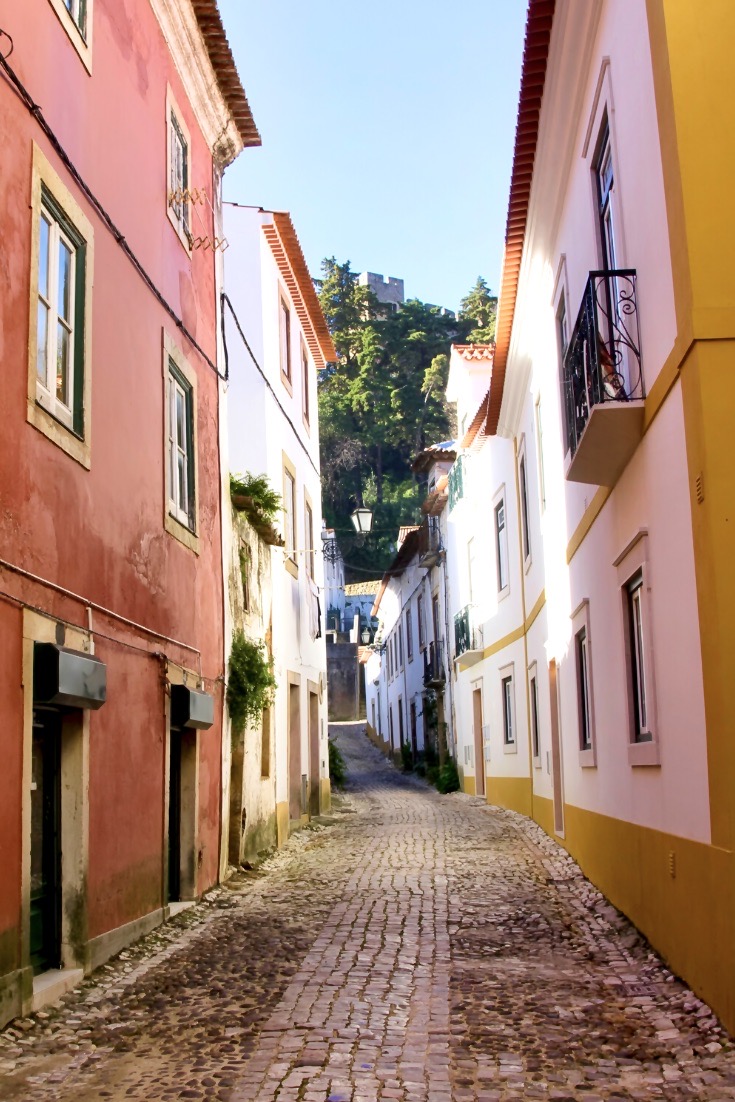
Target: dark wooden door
[(174, 818), (46, 840)]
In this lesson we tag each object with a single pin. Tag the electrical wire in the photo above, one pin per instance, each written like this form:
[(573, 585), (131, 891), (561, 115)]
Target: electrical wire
[(225, 300)]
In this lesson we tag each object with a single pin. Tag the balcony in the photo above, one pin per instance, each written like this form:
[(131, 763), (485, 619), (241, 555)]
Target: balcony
[(434, 675), (603, 382), (456, 482), (430, 548), (468, 645)]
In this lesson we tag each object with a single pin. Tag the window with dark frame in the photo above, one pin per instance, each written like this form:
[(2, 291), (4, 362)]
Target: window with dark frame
[(637, 658), (525, 537), (78, 11), (284, 329), (400, 646), (535, 733), (265, 744), (583, 689), (501, 545), (305, 384), (420, 618), (409, 634), (309, 534), (289, 511), (605, 182), (508, 724), (179, 183)]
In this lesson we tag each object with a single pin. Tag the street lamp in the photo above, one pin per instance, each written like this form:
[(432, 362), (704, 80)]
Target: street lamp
[(366, 636), (362, 519)]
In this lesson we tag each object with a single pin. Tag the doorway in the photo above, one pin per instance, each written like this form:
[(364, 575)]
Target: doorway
[(414, 735), (556, 765), (479, 750), (314, 771), (45, 909), (294, 752), (182, 815)]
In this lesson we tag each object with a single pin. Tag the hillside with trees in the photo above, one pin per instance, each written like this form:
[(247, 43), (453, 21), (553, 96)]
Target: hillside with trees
[(382, 403)]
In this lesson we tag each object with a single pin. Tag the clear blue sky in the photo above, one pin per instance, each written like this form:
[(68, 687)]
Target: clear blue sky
[(387, 131)]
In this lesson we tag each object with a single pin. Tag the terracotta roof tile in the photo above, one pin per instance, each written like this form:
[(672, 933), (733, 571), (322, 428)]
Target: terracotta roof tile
[(223, 63)]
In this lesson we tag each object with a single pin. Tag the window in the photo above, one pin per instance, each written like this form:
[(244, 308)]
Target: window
[(180, 513), (637, 659), (60, 312), (400, 646), (179, 173), (75, 17), (509, 734), (583, 690), (265, 744), (284, 330), (409, 634), (244, 556), (309, 537), (180, 448), (540, 450), (501, 546), (78, 11), (535, 728), (305, 409), (605, 180), (289, 513), (523, 488), (585, 693), (420, 618), (60, 315), (633, 575)]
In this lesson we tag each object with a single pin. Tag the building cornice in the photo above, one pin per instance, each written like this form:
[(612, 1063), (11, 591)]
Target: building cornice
[(197, 42)]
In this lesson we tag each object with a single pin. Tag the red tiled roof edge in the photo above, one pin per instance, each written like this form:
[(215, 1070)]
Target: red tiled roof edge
[(292, 264), (533, 77), (223, 63)]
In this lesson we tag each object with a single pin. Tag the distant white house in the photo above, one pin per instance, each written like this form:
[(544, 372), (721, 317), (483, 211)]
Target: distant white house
[(276, 341)]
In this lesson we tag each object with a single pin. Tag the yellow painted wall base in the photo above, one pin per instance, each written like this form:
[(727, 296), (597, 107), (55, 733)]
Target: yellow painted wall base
[(468, 785), (325, 795), (689, 917), (282, 823), (510, 792)]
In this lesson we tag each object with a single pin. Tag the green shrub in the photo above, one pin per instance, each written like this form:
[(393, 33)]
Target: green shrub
[(264, 504), (406, 757), (251, 684), (337, 767), (448, 778)]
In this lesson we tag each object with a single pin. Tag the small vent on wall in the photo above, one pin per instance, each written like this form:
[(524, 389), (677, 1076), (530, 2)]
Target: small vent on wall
[(700, 487)]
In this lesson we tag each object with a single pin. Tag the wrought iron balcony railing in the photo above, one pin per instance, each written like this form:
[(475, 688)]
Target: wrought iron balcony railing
[(467, 631), (430, 547), (456, 482), (602, 362), (434, 665)]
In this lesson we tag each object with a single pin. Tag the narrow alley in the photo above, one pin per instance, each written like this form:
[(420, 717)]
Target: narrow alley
[(414, 946)]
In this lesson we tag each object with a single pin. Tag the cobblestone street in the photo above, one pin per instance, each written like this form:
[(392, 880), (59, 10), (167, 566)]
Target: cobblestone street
[(415, 946)]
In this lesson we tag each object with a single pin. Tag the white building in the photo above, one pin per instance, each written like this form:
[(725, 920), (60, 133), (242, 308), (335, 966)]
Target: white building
[(277, 340), (408, 690)]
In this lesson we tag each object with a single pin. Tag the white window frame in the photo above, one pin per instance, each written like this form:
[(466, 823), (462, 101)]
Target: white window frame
[(508, 709), (43, 410), (632, 564), (78, 33), (179, 501), (46, 392), (309, 534), (178, 210), (561, 302), (585, 692), (184, 526), (602, 113), (500, 543)]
